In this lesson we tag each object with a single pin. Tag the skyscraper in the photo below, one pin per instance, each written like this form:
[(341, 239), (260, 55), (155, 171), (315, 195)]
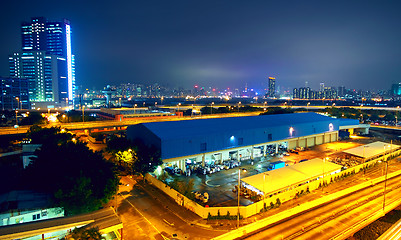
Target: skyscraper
[(46, 60), (13, 93), (272, 87)]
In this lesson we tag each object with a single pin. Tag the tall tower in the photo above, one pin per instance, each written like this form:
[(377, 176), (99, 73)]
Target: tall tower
[(46, 60), (272, 87), (321, 87)]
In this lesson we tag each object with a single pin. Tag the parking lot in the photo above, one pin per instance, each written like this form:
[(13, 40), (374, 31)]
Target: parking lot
[(220, 184)]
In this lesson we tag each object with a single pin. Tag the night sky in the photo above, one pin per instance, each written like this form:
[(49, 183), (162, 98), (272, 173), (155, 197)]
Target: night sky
[(222, 43)]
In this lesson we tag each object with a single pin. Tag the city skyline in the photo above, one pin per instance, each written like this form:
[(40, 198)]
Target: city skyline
[(224, 44)]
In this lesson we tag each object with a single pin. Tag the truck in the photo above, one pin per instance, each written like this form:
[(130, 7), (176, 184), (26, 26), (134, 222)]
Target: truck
[(276, 165)]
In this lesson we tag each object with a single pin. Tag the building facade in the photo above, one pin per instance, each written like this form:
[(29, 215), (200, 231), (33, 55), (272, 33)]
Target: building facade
[(216, 140), (46, 60), (272, 87), (14, 93)]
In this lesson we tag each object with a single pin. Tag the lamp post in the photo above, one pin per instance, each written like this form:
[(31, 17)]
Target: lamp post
[(385, 186), (307, 107), (364, 169), (16, 117), (211, 108), (265, 106), (179, 104), (264, 191), (134, 108), (83, 114), (239, 189), (239, 103), (324, 160), (18, 102)]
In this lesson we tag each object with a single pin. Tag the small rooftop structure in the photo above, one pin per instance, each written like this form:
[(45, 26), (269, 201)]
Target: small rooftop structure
[(272, 181), (372, 149)]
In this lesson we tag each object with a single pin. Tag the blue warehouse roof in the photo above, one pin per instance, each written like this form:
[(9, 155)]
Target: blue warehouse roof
[(183, 138)]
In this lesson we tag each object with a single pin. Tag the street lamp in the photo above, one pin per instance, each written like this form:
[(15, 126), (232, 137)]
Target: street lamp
[(265, 106), (239, 190), (179, 104), (16, 117), (385, 186), (239, 103), (83, 114), (364, 169), (211, 108), (134, 107), (18, 102), (307, 107), (324, 162), (264, 191)]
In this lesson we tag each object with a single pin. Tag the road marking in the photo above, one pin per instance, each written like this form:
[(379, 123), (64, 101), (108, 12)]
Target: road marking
[(210, 185), (144, 217), (171, 224)]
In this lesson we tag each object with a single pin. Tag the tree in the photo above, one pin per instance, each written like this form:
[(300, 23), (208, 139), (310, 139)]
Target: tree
[(53, 135), (84, 233), (127, 159), (79, 179), (33, 118), (277, 110), (148, 158), (116, 144)]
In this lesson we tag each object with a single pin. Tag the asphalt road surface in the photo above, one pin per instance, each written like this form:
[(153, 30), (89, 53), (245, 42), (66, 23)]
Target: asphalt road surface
[(147, 215)]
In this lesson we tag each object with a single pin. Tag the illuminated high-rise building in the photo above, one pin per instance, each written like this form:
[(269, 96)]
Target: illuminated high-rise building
[(46, 60), (272, 87)]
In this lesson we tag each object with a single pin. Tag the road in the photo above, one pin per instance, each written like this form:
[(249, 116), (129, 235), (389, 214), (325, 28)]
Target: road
[(115, 124), (148, 215), (327, 221)]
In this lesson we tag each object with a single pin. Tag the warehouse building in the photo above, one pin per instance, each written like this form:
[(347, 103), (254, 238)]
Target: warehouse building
[(213, 141)]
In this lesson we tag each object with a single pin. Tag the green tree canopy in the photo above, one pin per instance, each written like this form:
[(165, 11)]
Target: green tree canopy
[(148, 158), (42, 135), (33, 118), (116, 144), (84, 233), (80, 179)]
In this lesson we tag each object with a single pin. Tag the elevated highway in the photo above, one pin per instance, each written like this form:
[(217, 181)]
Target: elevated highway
[(113, 125)]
